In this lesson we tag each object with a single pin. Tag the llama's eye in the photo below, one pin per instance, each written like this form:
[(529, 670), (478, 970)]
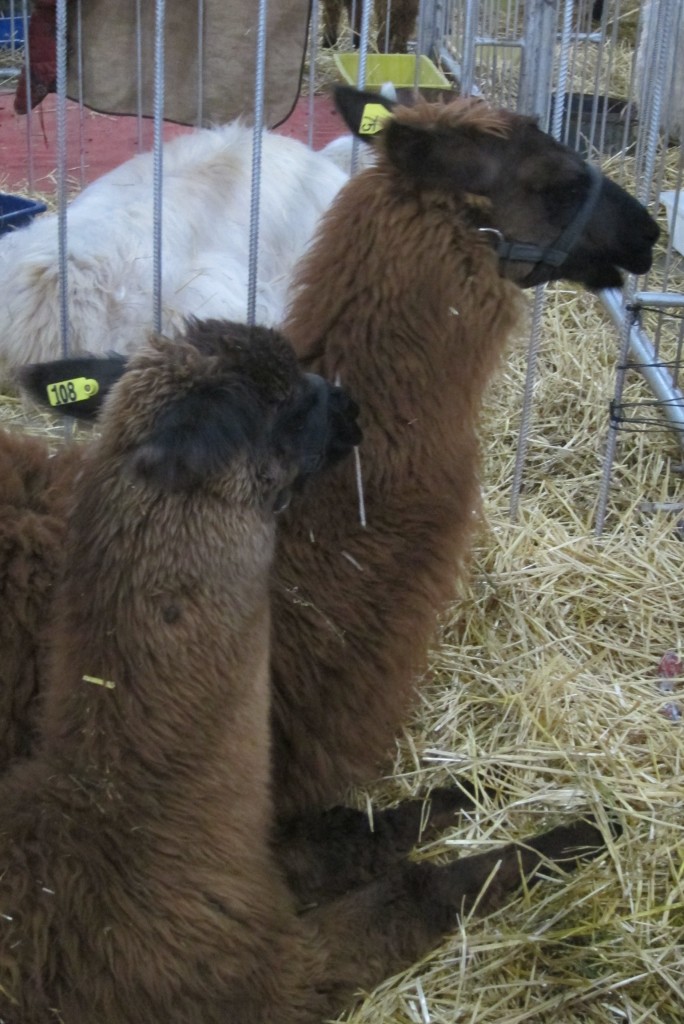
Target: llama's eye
[(578, 186), (575, 190), (565, 197), (297, 423)]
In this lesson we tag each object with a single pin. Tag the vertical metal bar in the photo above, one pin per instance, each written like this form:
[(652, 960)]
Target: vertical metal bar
[(361, 74), (537, 63), (446, 24), (430, 28), (611, 441), (661, 29), (61, 46), (259, 79), (660, 59), (420, 44), (81, 108), (468, 55), (139, 75), (200, 63), (158, 160), (535, 94), (679, 355), (29, 104), (563, 71), (650, 103), (363, 42), (528, 398), (313, 53)]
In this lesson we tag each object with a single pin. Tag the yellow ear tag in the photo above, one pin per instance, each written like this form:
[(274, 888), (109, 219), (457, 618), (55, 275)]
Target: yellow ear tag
[(373, 117), (78, 389)]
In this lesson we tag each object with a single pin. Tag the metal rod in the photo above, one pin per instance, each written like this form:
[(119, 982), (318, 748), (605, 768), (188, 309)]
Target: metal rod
[(259, 78), (361, 74), (29, 104), (363, 42), (313, 50), (200, 62), (81, 108), (556, 127), (528, 398), (61, 45), (660, 300), (158, 160), (468, 51), (139, 75)]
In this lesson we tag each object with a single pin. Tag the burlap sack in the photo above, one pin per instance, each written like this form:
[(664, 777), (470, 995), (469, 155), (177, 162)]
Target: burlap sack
[(210, 68)]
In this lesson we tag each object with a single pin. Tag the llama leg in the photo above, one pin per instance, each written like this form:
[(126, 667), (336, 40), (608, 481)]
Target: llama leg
[(402, 25), (383, 927), (331, 22), (354, 15), (324, 854)]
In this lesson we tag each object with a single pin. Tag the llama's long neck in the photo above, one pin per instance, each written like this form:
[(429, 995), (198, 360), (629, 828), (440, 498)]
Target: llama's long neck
[(159, 676), (402, 299)]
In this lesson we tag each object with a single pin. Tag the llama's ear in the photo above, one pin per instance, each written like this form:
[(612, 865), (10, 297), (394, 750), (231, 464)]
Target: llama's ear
[(364, 113), (450, 160), (195, 437), (76, 386)]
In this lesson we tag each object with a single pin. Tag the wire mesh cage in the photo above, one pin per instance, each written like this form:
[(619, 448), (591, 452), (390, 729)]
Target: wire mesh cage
[(523, 691), (603, 77)]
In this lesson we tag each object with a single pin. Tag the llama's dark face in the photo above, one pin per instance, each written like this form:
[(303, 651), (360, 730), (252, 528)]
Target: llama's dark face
[(550, 215), (186, 411), (586, 227)]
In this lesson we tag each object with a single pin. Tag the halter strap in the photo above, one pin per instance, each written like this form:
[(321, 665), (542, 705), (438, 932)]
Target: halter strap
[(554, 254)]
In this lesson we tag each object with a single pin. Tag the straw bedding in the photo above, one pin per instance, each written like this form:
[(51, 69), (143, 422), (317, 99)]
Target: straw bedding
[(544, 682)]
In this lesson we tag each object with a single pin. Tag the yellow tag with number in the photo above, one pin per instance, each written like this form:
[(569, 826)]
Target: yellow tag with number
[(373, 118), (78, 389)]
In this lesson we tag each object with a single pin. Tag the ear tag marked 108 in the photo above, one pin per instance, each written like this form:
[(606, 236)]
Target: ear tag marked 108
[(77, 389), (373, 118)]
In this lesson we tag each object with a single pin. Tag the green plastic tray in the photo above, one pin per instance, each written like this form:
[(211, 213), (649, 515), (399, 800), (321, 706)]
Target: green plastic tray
[(397, 68)]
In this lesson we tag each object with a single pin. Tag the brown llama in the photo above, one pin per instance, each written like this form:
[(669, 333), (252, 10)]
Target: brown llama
[(409, 293), (35, 496), (137, 881), (36, 493)]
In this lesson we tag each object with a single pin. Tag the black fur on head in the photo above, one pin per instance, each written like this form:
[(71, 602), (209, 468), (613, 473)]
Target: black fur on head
[(528, 188), (184, 408)]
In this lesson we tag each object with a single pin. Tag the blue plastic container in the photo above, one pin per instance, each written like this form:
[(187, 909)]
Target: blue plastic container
[(15, 211), (11, 32)]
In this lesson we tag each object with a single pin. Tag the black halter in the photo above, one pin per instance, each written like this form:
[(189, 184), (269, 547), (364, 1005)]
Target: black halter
[(558, 251)]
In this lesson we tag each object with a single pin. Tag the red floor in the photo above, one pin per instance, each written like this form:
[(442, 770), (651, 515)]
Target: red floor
[(98, 142)]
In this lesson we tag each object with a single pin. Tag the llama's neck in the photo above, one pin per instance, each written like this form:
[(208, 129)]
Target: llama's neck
[(159, 675), (403, 300)]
